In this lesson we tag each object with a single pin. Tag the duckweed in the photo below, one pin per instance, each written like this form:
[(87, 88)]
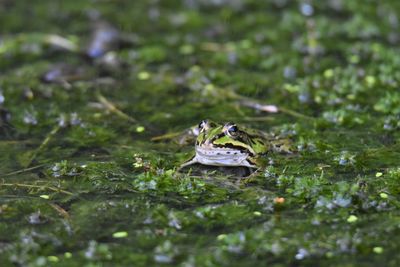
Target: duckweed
[(83, 184)]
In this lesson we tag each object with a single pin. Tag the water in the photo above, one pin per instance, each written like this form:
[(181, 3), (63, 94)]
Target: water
[(82, 184)]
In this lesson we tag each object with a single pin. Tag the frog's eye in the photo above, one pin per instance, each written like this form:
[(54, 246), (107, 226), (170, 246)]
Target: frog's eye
[(231, 129), (203, 124)]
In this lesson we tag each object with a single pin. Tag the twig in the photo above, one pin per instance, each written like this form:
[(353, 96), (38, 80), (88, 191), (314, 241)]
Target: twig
[(295, 114), (42, 145), (23, 170), (166, 136), (248, 102), (113, 109), (258, 106), (61, 42), (12, 142), (257, 118), (60, 210), (251, 103), (38, 186)]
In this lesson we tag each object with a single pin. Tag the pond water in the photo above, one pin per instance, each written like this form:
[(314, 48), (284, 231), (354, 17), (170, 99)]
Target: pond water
[(95, 97)]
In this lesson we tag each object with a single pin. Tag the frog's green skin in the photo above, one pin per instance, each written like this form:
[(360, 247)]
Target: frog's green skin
[(234, 146)]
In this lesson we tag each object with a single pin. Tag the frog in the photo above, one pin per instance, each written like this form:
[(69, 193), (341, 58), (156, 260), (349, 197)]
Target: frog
[(233, 145)]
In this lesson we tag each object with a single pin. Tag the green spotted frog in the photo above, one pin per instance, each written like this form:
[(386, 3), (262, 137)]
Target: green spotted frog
[(231, 145)]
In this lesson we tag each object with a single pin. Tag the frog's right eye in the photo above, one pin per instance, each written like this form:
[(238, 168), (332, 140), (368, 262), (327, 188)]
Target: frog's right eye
[(203, 124), (231, 129)]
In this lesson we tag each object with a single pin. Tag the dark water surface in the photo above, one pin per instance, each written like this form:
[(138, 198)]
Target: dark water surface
[(86, 85)]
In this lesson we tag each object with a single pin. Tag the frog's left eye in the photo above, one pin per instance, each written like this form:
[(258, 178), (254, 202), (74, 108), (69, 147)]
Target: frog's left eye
[(203, 124), (231, 129)]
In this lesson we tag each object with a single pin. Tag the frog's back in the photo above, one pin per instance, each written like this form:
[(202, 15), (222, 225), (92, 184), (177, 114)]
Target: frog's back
[(263, 142), (258, 139)]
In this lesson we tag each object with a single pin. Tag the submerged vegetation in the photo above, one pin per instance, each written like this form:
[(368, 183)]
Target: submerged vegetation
[(94, 99)]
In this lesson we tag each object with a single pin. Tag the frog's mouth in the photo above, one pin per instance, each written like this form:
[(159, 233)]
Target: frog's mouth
[(222, 157)]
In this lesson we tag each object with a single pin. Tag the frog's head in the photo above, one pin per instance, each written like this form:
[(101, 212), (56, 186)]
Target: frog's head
[(224, 145)]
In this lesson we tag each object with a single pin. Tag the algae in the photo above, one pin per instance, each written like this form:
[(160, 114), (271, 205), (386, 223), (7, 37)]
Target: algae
[(82, 184)]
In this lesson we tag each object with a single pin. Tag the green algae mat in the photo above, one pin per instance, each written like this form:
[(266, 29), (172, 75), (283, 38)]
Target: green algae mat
[(97, 99)]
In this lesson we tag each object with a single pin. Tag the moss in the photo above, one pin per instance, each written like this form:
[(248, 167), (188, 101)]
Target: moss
[(84, 142)]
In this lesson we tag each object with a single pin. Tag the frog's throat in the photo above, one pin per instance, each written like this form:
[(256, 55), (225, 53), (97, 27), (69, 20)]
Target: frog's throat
[(222, 157)]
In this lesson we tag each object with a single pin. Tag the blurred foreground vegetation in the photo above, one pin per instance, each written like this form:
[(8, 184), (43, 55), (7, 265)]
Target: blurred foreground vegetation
[(83, 184)]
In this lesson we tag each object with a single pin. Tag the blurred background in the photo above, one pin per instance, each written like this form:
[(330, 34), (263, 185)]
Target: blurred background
[(95, 97)]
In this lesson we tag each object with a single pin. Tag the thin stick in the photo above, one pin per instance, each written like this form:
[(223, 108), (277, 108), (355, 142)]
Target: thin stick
[(258, 106), (295, 114), (257, 119), (12, 142), (249, 102), (38, 186), (45, 142), (61, 42), (23, 170), (166, 136), (113, 109), (60, 210)]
